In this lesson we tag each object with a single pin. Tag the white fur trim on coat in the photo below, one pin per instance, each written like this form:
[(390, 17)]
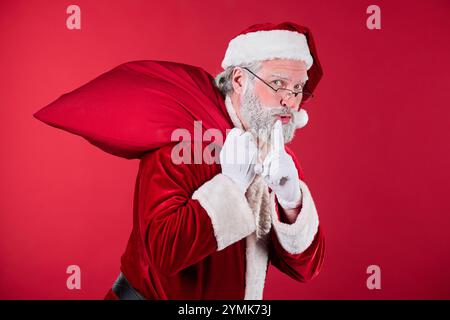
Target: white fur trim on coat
[(225, 204), (297, 237), (267, 45)]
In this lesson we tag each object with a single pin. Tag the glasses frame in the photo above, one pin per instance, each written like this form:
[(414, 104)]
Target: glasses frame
[(295, 94)]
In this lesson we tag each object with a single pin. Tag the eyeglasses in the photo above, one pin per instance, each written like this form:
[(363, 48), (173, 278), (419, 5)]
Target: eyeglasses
[(305, 94)]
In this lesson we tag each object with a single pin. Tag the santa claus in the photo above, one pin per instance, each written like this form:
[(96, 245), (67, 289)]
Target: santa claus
[(209, 231)]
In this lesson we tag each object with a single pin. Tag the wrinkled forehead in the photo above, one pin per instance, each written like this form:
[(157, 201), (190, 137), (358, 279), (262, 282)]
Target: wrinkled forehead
[(293, 70)]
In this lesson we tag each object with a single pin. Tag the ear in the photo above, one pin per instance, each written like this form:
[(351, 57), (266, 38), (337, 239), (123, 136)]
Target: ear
[(238, 80)]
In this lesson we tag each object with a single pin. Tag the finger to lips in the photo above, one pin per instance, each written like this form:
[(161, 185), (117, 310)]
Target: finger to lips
[(277, 137)]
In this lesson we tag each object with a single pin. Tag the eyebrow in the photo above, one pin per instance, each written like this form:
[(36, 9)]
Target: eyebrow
[(283, 76)]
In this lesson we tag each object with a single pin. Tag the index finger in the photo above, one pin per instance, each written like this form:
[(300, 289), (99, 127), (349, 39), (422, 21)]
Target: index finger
[(277, 137)]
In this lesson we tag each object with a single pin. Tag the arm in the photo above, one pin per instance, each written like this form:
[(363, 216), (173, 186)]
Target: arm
[(298, 243), (301, 266), (189, 211)]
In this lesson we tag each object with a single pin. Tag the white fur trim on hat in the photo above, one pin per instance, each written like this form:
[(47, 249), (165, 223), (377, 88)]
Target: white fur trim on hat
[(267, 45)]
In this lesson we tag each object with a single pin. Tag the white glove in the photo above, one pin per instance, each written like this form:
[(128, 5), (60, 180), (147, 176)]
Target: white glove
[(280, 173), (238, 158)]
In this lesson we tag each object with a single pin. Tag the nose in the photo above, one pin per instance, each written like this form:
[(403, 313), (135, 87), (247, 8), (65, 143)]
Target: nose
[(289, 101)]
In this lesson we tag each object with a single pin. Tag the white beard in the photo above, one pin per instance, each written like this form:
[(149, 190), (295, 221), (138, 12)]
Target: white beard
[(261, 119)]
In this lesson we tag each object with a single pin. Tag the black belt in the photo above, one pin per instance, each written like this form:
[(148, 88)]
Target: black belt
[(123, 289)]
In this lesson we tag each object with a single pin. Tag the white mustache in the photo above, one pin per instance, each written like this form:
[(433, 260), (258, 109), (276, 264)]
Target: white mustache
[(299, 118)]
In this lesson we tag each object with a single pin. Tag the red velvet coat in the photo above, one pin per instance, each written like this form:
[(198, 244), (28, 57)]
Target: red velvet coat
[(193, 235)]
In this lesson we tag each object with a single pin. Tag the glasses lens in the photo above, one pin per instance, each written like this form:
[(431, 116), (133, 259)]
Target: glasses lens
[(286, 93), (302, 95)]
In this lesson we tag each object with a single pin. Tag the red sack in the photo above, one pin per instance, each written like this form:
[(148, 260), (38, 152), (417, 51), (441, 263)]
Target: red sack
[(136, 106)]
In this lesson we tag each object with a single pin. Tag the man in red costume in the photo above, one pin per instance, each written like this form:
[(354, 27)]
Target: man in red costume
[(209, 231)]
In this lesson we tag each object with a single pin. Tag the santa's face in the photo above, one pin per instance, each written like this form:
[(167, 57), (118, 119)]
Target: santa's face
[(261, 106)]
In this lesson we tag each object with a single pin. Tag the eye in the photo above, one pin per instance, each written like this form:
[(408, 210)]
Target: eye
[(278, 83), (298, 87)]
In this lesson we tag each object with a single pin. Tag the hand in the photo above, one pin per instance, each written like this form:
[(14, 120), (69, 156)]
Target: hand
[(280, 173), (238, 158)]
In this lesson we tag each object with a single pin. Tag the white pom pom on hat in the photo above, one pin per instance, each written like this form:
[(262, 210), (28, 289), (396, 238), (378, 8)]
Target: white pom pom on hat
[(301, 118)]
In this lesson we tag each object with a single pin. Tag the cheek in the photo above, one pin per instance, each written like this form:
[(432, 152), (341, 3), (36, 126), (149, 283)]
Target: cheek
[(266, 97)]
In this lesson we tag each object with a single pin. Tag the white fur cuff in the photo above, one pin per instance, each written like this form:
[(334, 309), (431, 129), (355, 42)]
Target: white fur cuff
[(231, 216), (297, 237)]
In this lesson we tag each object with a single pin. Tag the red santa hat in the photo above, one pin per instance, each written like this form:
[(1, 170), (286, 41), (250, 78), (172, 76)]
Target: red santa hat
[(266, 42), (270, 41)]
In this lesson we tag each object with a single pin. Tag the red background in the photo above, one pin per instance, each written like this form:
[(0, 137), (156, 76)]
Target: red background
[(375, 152)]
